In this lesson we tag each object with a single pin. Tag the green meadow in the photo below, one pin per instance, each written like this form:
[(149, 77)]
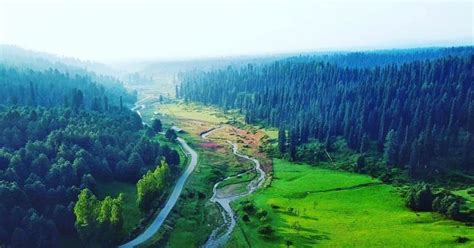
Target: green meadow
[(193, 112), (132, 214), (309, 206)]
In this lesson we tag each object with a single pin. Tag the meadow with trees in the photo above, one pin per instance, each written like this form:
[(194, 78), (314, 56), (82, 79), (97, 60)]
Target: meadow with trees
[(404, 117)]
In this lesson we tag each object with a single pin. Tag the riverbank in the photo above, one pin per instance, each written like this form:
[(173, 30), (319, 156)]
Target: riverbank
[(220, 235)]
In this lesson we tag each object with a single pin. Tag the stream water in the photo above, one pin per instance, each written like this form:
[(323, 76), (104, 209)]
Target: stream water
[(221, 234)]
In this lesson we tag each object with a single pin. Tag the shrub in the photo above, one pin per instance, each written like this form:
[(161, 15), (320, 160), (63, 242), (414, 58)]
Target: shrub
[(248, 207), (420, 197), (471, 192), (201, 195), (461, 239), (245, 218), (360, 163), (265, 230), (190, 194), (261, 213), (296, 225), (443, 201), (454, 211), (386, 177), (290, 209)]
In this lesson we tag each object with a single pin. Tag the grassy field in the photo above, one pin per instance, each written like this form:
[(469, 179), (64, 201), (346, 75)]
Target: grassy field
[(132, 214), (271, 132), (193, 112), (318, 207)]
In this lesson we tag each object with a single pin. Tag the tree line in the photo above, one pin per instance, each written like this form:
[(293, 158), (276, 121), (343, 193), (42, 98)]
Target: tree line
[(417, 115)]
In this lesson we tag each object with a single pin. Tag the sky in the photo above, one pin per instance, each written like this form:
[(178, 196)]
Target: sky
[(116, 30)]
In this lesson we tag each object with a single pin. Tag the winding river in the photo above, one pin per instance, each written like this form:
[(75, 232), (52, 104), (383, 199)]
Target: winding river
[(221, 234), (216, 239)]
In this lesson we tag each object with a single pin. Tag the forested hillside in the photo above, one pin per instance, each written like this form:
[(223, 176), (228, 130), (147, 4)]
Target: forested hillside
[(60, 134), (52, 88), (15, 56), (420, 115)]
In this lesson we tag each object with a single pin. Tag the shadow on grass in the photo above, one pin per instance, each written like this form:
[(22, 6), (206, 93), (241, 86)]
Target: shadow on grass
[(301, 195)]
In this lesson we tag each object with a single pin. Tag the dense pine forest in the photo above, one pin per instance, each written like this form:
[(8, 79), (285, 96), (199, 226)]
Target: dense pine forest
[(60, 135), (418, 114), (51, 88), (380, 58)]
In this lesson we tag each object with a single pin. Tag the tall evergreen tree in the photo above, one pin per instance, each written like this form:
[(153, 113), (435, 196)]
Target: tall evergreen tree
[(364, 145), (414, 164), (293, 143), (156, 125), (32, 94), (106, 104), (282, 140), (77, 99), (96, 106), (391, 148)]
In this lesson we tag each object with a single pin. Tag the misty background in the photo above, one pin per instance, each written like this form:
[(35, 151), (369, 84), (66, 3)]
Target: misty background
[(111, 31)]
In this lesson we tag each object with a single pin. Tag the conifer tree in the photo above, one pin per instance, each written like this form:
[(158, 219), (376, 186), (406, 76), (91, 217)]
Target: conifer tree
[(282, 140), (391, 148)]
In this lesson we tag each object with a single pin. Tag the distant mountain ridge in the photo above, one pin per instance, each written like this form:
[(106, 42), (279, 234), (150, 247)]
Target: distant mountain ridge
[(36, 60)]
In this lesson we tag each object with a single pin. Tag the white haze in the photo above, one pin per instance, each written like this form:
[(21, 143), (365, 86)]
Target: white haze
[(111, 30)]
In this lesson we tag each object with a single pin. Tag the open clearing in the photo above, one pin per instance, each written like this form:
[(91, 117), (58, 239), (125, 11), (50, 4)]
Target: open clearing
[(311, 206), (193, 112), (132, 214)]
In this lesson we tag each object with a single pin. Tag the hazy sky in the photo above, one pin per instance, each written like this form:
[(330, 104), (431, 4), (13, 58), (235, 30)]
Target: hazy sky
[(106, 30)]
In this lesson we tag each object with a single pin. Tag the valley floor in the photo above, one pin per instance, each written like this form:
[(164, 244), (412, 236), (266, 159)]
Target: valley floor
[(306, 206)]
